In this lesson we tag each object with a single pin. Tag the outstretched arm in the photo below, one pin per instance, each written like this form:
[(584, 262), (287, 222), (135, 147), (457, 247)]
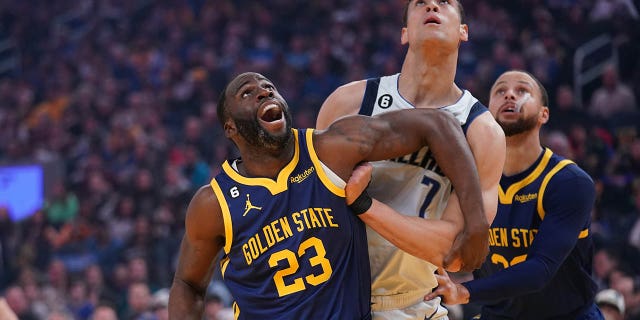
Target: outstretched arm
[(203, 239), (568, 208), (386, 221), (398, 133)]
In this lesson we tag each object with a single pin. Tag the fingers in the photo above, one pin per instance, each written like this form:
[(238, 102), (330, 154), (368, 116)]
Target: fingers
[(443, 283), (433, 294)]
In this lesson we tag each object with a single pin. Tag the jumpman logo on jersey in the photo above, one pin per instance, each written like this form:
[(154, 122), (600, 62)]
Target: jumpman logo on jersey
[(248, 206)]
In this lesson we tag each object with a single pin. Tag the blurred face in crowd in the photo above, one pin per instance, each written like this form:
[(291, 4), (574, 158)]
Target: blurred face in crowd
[(17, 300), (257, 112), (516, 103), (139, 297), (431, 22), (104, 313)]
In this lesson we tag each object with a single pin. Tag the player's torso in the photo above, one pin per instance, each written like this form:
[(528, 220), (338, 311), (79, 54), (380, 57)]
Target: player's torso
[(413, 185), (293, 249), (520, 213)]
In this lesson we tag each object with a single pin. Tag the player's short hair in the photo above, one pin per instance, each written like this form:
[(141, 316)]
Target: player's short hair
[(221, 109), (544, 96), (463, 17)]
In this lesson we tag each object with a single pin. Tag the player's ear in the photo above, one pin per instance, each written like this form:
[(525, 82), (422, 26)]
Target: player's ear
[(544, 115), (404, 37), (230, 128), (464, 33)]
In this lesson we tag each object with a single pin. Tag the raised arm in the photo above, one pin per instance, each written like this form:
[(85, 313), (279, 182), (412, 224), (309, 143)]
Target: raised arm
[(394, 134), (203, 240)]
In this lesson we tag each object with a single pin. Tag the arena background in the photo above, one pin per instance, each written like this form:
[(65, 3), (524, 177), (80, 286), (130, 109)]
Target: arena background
[(108, 123)]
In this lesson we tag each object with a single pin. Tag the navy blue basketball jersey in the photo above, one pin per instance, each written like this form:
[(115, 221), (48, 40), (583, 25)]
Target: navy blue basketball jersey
[(546, 192), (293, 248)]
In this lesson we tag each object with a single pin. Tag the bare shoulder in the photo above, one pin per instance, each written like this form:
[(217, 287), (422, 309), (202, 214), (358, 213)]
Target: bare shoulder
[(343, 101), (485, 130), (204, 215)]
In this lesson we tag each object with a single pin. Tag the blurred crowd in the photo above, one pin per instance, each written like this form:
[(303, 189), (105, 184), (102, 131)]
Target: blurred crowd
[(122, 96)]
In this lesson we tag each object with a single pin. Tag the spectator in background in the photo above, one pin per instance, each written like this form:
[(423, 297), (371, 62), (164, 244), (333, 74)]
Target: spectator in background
[(63, 206), (104, 312), (611, 303), (623, 280), (147, 68), (18, 303), (612, 97), (138, 302)]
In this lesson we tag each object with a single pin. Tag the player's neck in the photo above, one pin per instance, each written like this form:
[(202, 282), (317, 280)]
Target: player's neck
[(522, 151), (428, 82), (261, 164)]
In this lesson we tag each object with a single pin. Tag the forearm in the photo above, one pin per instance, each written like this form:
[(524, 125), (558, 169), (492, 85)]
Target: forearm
[(526, 277), (185, 302), (429, 240)]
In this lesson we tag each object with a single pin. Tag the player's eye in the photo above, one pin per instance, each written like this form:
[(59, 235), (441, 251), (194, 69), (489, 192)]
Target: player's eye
[(245, 93), (420, 2), (444, 1)]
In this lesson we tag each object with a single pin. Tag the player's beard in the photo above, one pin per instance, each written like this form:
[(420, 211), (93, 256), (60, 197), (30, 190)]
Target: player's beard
[(256, 135), (519, 126)]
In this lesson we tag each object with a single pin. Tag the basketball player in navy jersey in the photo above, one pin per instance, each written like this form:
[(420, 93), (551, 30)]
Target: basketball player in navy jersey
[(414, 184), (292, 247), (541, 249)]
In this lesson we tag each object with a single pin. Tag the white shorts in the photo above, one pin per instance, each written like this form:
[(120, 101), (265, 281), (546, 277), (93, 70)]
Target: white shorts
[(420, 311)]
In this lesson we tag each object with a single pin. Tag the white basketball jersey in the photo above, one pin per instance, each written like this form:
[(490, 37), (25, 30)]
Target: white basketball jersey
[(413, 185)]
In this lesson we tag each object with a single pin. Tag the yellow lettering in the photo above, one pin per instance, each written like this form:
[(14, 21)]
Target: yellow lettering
[(315, 223), (493, 237), (262, 248), (284, 223), (276, 231), (503, 237), (247, 256), (268, 235), (515, 236), (321, 216), (532, 235), (296, 220), (327, 213), (253, 248), (306, 218)]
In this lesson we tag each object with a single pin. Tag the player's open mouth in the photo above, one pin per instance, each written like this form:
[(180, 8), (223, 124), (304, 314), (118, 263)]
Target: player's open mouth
[(509, 107), (271, 112), (432, 20)]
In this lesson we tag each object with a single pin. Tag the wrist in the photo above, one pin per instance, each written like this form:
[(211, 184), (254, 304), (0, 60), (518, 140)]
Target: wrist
[(361, 204)]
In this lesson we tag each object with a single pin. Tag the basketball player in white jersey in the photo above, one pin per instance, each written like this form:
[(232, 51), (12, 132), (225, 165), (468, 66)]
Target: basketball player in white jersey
[(433, 30)]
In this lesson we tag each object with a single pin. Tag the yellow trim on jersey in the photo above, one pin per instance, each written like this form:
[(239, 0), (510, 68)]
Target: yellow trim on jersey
[(507, 197), (583, 234), (223, 265), (236, 310), (274, 187), (543, 186), (226, 215), (321, 174)]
